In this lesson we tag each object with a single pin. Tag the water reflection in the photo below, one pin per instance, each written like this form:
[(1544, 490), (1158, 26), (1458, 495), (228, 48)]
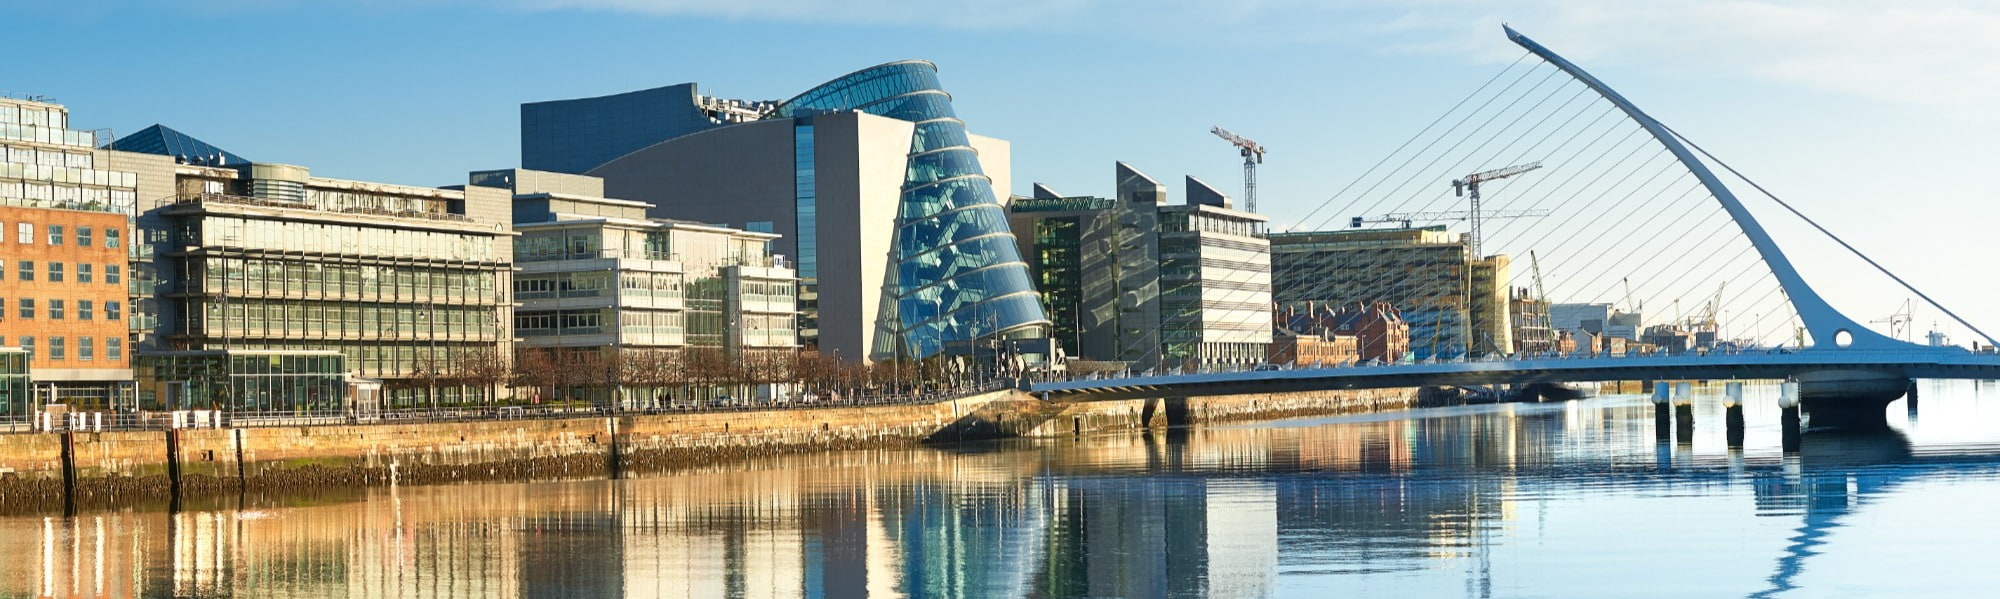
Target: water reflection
[(1556, 500)]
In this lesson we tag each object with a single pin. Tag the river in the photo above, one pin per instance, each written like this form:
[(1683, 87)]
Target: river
[(1569, 499)]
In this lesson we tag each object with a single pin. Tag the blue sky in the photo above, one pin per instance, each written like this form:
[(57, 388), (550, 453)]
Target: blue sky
[(1874, 117)]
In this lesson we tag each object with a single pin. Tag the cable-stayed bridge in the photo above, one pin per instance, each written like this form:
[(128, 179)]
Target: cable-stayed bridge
[(1636, 199)]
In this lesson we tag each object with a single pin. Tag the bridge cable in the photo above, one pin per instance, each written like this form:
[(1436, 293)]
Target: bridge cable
[(1836, 238)]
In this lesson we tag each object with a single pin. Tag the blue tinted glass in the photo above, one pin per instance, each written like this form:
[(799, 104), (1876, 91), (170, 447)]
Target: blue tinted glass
[(959, 275)]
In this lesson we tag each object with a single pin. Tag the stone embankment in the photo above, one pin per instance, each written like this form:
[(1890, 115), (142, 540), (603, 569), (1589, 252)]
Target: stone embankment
[(81, 470)]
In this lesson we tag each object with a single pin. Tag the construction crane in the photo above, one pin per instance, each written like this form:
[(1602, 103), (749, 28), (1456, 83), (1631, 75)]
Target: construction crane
[(1405, 218), (1629, 305), (1542, 300), (1470, 186), (1253, 155), (1899, 321)]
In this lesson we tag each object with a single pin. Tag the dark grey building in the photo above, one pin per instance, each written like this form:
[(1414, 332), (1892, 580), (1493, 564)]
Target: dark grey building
[(574, 136)]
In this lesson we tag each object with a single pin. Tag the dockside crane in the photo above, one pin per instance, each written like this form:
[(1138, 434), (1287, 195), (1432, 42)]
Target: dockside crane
[(1253, 155), (1470, 186), (1899, 321)]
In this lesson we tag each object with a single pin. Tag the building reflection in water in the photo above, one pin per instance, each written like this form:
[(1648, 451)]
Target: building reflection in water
[(1215, 512)]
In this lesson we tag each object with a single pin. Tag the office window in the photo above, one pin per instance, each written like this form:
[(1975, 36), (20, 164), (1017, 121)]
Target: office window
[(114, 348), (86, 348), (83, 239), (55, 272), (83, 271), (57, 349), (111, 237), (27, 270), (28, 343), (55, 238), (27, 308), (25, 233), (84, 310), (111, 274), (111, 310), (55, 309)]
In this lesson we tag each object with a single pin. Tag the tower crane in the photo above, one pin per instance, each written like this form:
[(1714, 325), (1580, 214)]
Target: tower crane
[(1899, 321), (1542, 302), (1253, 155), (1470, 185), (1408, 217)]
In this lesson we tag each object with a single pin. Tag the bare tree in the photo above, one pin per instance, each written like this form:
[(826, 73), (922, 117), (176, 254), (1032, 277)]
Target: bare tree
[(537, 369), (484, 368)]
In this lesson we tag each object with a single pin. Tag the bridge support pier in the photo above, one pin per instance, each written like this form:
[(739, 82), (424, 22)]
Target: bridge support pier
[(1850, 399), (1663, 423), (1733, 414), (1788, 416), (1683, 420), (1910, 398)]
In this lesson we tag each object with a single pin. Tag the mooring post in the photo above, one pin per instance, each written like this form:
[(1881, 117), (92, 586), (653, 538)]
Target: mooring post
[(1732, 415), (1788, 406), (1663, 423)]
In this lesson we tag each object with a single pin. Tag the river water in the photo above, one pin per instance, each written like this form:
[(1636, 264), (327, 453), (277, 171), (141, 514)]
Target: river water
[(1529, 500)]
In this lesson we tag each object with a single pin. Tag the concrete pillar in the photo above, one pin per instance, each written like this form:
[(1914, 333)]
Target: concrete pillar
[(1911, 396), (1684, 412), (1788, 419), (1662, 413), (1733, 414)]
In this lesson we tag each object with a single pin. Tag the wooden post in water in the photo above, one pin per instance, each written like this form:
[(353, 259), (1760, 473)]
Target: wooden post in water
[(1663, 423), (1733, 414)]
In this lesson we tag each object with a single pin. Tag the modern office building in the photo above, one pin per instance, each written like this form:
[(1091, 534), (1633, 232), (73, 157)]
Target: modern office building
[(65, 211), (575, 136), (1452, 302), (598, 276), (1135, 279), (1596, 319), (871, 177), (408, 284)]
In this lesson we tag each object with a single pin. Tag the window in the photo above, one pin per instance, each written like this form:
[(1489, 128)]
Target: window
[(86, 348), (55, 309), (111, 310), (57, 349), (114, 349), (111, 274), (27, 308), (83, 240), (3, 269), (111, 237), (28, 343), (83, 272), (55, 238), (25, 233), (27, 270), (84, 311), (55, 272)]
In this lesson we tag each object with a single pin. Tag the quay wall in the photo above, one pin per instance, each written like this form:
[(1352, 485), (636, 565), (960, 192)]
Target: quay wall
[(127, 468)]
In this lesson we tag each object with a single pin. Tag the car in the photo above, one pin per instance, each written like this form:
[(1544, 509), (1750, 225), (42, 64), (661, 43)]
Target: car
[(1264, 368)]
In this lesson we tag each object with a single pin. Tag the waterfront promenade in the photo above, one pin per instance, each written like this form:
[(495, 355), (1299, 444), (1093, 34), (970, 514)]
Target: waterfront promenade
[(74, 469)]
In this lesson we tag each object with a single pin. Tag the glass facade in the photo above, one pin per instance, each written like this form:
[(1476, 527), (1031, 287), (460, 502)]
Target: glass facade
[(960, 277), (16, 400), (310, 382)]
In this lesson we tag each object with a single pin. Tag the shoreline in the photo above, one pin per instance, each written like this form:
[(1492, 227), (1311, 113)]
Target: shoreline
[(42, 473)]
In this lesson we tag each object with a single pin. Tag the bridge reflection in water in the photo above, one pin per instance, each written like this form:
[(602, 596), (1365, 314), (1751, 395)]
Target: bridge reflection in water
[(1478, 501)]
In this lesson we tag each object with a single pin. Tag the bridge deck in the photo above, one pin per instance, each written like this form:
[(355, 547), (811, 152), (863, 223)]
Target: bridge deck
[(1939, 363)]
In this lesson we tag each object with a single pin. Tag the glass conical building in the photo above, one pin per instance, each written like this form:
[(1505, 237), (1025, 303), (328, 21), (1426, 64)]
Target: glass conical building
[(959, 273), (889, 206)]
